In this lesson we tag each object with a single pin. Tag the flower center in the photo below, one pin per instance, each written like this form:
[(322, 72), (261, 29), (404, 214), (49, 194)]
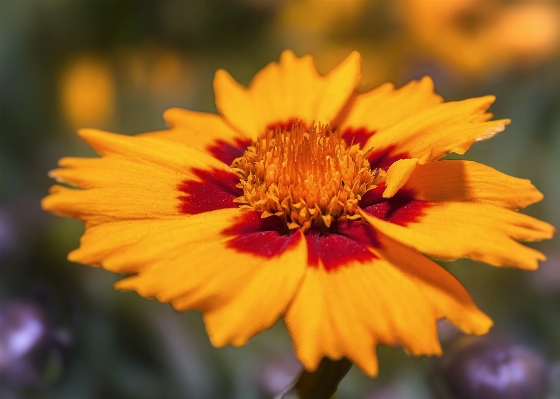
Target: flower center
[(308, 177)]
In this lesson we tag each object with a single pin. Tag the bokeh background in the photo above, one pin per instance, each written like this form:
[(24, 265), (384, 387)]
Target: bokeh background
[(117, 65)]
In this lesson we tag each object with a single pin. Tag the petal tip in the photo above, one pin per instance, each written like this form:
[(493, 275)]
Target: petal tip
[(87, 132), (45, 204), (427, 80), (73, 256), (130, 284), (368, 364), (217, 341), (492, 131), (489, 99), (170, 115), (224, 78), (354, 56), (353, 61), (484, 327), (287, 54)]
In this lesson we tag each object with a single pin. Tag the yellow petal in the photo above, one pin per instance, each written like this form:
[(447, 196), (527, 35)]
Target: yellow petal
[(100, 243), (113, 171), (284, 91), (467, 181), (204, 132), (435, 132), (325, 318), (139, 178), (149, 149), (451, 299), (385, 106), (397, 176), (97, 206), (452, 230), (395, 299), (259, 300), (194, 265)]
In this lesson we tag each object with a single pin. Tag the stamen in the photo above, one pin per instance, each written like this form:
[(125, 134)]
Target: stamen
[(307, 177)]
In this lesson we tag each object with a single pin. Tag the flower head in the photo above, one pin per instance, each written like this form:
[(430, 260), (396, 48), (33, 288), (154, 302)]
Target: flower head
[(305, 176), (305, 199)]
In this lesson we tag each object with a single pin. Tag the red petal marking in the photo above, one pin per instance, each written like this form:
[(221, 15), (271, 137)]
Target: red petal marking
[(216, 190), (344, 242), (400, 209), (357, 136), (264, 237), (226, 151), (373, 196), (380, 158), (268, 237), (383, 158), (357, 231)]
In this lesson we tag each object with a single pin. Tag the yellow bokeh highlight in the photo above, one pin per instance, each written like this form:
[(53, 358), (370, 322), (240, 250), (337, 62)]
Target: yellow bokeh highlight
[(87, 91), (529, 31)]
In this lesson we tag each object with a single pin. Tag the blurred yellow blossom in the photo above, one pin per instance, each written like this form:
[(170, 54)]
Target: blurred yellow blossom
[(477, 36), (87, 91)]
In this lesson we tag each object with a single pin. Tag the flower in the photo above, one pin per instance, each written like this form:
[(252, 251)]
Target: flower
[(478, 37), (491, 368), (308, 200)]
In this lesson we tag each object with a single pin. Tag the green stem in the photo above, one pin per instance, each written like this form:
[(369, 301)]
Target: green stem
[(321, 383)]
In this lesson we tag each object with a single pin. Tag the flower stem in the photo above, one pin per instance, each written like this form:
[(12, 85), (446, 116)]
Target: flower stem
[(321, 383)]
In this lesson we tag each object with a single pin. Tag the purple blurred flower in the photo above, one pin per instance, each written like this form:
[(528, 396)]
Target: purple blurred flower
[(28, 344), (278, 373), (493, 368)]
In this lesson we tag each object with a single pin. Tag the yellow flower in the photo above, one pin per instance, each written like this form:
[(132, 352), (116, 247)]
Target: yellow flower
[(478, 37), (308, 200)]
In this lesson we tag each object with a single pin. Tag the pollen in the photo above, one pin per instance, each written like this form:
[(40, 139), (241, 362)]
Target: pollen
[(308, 177)]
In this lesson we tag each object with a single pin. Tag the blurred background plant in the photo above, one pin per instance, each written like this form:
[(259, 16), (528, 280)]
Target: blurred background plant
[(64, 333)]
